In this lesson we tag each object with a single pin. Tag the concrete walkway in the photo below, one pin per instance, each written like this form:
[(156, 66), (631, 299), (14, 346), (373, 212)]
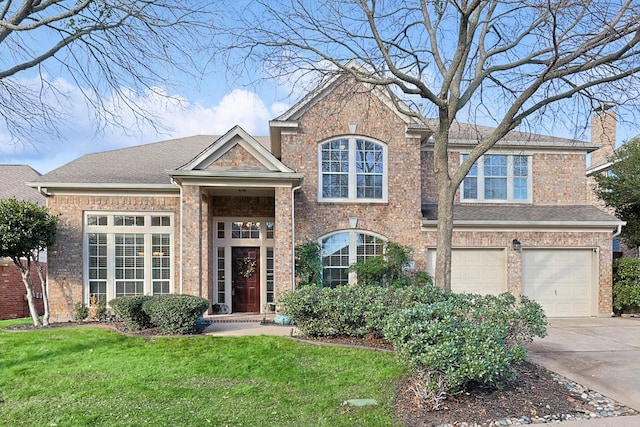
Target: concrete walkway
[(237, 325), (602, 354)]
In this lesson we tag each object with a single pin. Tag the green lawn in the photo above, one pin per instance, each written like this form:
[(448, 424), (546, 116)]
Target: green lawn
[(92, 376)]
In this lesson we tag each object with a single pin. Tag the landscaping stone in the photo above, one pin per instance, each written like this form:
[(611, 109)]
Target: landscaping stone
[(360, 402)]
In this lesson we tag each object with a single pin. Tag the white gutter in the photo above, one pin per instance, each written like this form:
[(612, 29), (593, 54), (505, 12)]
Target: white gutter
[(101, 186), (525, 224)]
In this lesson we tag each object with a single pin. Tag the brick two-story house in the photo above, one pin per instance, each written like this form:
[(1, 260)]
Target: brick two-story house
[(219, 216)]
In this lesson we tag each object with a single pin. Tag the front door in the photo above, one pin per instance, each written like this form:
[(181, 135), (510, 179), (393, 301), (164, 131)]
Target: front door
[(245, 279)]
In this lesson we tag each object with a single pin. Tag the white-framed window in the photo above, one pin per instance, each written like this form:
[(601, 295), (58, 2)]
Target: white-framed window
[(341, 249), (498, 178), (128, 254), (352, 169)]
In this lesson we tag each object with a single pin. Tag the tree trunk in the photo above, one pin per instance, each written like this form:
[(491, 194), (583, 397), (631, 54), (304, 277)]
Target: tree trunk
[(446, 192), (28, 284), (45, 290), (444, 238)]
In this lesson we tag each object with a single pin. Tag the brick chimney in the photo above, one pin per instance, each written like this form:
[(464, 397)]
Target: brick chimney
[(603, 132)]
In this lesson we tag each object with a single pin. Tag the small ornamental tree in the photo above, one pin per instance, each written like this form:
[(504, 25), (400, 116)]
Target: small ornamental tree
[(27, 229)]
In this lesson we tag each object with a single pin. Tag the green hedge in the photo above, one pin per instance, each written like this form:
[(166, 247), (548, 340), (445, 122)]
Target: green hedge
[(466, 339), (626, 284), (175, 314), (452, 340), (356, 310), (129, 310)]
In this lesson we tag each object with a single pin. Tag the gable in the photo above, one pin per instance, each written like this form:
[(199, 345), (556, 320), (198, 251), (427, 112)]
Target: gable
[(237, 158), (235, 151)]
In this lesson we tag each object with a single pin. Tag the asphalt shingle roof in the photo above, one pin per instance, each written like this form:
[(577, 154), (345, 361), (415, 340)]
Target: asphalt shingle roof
[(141, 164), (13, 180), (522, 213)]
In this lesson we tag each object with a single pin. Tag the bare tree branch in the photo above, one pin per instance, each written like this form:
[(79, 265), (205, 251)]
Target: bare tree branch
[(112, 50), (517, 61)]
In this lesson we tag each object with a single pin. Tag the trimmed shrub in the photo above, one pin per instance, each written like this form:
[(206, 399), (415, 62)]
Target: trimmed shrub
[(80, 311), (129, 310), (355, 310), (389, 269), (309, 264), (175, 314), (330, 312), (465, 339), (626, 284)]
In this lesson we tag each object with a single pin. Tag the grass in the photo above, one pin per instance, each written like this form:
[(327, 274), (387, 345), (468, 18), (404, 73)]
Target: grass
[(92, 376)]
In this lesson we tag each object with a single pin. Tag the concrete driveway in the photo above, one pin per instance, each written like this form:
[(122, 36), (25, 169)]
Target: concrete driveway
[(600, 353)]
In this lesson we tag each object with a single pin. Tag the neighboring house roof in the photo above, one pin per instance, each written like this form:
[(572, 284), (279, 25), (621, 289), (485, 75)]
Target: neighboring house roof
[(523, 215), (13, 179)]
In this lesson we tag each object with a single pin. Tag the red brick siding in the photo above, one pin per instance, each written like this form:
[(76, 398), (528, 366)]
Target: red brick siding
[(65, 257), (399, 218), (12, 291)]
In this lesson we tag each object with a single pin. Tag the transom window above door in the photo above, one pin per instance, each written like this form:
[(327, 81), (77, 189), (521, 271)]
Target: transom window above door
[(498, 178), (352, 169)]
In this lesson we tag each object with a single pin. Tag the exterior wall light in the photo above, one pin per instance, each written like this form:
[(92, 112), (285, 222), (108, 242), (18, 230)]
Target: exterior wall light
[(517, 246)]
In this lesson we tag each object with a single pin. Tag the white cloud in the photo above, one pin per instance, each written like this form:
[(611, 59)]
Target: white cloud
[(277, 108), (176, 116)]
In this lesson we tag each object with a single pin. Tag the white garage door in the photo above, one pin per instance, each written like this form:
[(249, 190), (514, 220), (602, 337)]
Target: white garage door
[(561, 280), (477, 271)]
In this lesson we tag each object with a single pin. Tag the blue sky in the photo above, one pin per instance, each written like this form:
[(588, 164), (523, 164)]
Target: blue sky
[(212, 107)]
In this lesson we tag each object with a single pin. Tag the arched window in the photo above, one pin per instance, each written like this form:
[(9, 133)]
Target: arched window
[(352, 169), (339, 250)]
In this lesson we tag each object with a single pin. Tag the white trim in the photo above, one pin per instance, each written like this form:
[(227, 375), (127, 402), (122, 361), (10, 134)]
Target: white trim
[(510, 180), (352, 174), (227, 242), (235, 136), (515, 146), (353, 256), (550, 226), (234, 179), (147, 230), (67, 187)]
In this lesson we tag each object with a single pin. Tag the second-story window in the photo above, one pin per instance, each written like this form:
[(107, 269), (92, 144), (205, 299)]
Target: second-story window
[(498, 177), (352, 169)]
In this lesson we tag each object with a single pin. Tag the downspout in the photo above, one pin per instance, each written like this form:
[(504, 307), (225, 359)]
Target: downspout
[(293, 237), (173, 181), (617, 232), (43, 191)]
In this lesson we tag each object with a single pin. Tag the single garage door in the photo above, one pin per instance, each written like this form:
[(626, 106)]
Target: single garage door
[(477, 271), (561, 280)]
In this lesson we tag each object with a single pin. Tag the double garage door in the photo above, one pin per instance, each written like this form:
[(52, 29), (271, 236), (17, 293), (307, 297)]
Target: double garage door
[(561, 280)]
